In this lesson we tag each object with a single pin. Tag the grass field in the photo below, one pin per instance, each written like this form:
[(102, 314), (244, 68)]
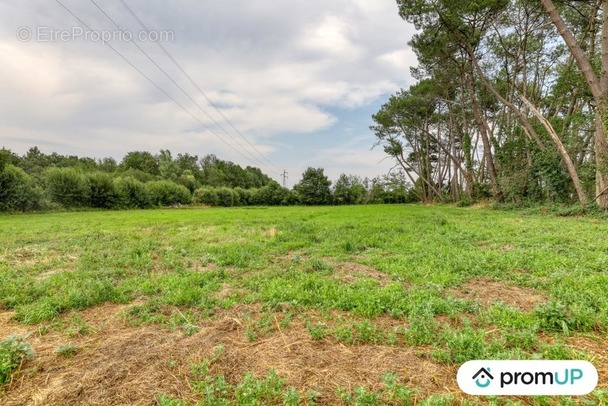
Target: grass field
[(362, 305)]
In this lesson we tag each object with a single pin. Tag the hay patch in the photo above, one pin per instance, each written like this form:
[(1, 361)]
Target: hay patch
[(349, 272), (488, 292), (597, 349), (119, 364)]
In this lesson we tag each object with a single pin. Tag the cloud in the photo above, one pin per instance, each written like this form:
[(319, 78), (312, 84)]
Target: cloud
[(275, 69)]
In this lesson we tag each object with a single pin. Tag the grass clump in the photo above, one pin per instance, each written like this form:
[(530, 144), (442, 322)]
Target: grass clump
[(67, 350)]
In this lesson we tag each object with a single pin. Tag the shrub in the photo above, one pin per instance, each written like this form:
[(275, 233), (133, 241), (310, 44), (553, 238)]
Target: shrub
[(189, 181), (245, 196), (167, 193), (17, 190), (272, 195), (67, 187), (226, 197), (132, 194), (103, 193), (206, 196)]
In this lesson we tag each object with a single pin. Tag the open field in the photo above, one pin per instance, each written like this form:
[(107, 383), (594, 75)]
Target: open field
[(352, 305)]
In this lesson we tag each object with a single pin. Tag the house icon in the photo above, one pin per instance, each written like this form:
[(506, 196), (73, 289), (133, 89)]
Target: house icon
[(483, 378)]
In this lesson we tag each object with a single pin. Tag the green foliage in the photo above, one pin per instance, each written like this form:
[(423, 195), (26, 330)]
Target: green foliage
[(226, 197), (313, 188), (131, 193), (13, 352), (555, 316), (272, 194), (349, 190), (68, 187), (141, 161), (245, 196), (18, 191), (103, 191), (67, 350), (164, 193), (393, 393), (207, 196)]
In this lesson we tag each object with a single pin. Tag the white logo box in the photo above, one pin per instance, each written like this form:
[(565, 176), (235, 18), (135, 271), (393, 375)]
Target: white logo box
[(527, 378)]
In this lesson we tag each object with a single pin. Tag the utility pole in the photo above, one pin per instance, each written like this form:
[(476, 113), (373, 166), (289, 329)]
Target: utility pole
[(285, 177)]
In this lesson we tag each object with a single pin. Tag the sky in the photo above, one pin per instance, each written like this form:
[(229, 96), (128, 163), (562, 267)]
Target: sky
[(277, 84)]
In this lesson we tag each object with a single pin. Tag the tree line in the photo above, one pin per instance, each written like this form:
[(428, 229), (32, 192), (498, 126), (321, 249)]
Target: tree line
[(38, 181), (511, 102)]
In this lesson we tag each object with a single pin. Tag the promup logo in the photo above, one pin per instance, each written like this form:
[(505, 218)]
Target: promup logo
[(522, 378), (483, 378)]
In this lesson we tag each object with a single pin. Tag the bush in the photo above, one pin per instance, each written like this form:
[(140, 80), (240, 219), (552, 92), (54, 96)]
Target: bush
[(245, 196), (103, 193), (167, 193), (17, 190), (272, 194), (67, 187), (226, 197), (206, 196), (189, 181), (132, 194)]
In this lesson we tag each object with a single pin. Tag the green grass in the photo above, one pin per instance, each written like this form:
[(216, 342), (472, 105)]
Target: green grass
[(184, 266)]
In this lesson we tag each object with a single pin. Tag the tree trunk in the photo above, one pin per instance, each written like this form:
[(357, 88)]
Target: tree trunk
[(562, 151), (598, 88), (485, 139)]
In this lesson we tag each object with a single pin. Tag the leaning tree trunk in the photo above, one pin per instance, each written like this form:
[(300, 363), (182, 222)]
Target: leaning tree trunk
[(562, 151), (485, 139), (599, 89)]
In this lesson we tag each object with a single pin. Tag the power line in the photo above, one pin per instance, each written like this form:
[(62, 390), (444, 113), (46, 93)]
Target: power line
[(150, 80), (179, 66), (177, 85)]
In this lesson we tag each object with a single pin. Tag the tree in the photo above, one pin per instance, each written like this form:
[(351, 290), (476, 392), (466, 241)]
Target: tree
[(142, 161), (598, 87), (314, 188), (349, 190), (167, 167)]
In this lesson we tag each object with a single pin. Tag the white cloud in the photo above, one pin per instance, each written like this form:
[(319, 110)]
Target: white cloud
[(331, 37), (273, 68)]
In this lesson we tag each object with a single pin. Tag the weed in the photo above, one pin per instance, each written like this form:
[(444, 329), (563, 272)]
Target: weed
[(368, 333), (13, 352), (164, 400), (422, 327), (67, 350), (344, 334), (317, 330), (554, 316), (78, 327)]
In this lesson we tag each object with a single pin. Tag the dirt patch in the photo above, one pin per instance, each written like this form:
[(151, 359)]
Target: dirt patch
[(349, 272), (118, 364), (487, 292)]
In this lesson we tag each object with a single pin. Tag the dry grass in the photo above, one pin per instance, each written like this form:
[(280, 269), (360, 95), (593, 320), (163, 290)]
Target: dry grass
[(487, 292), (349, 272), (119, 365)]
